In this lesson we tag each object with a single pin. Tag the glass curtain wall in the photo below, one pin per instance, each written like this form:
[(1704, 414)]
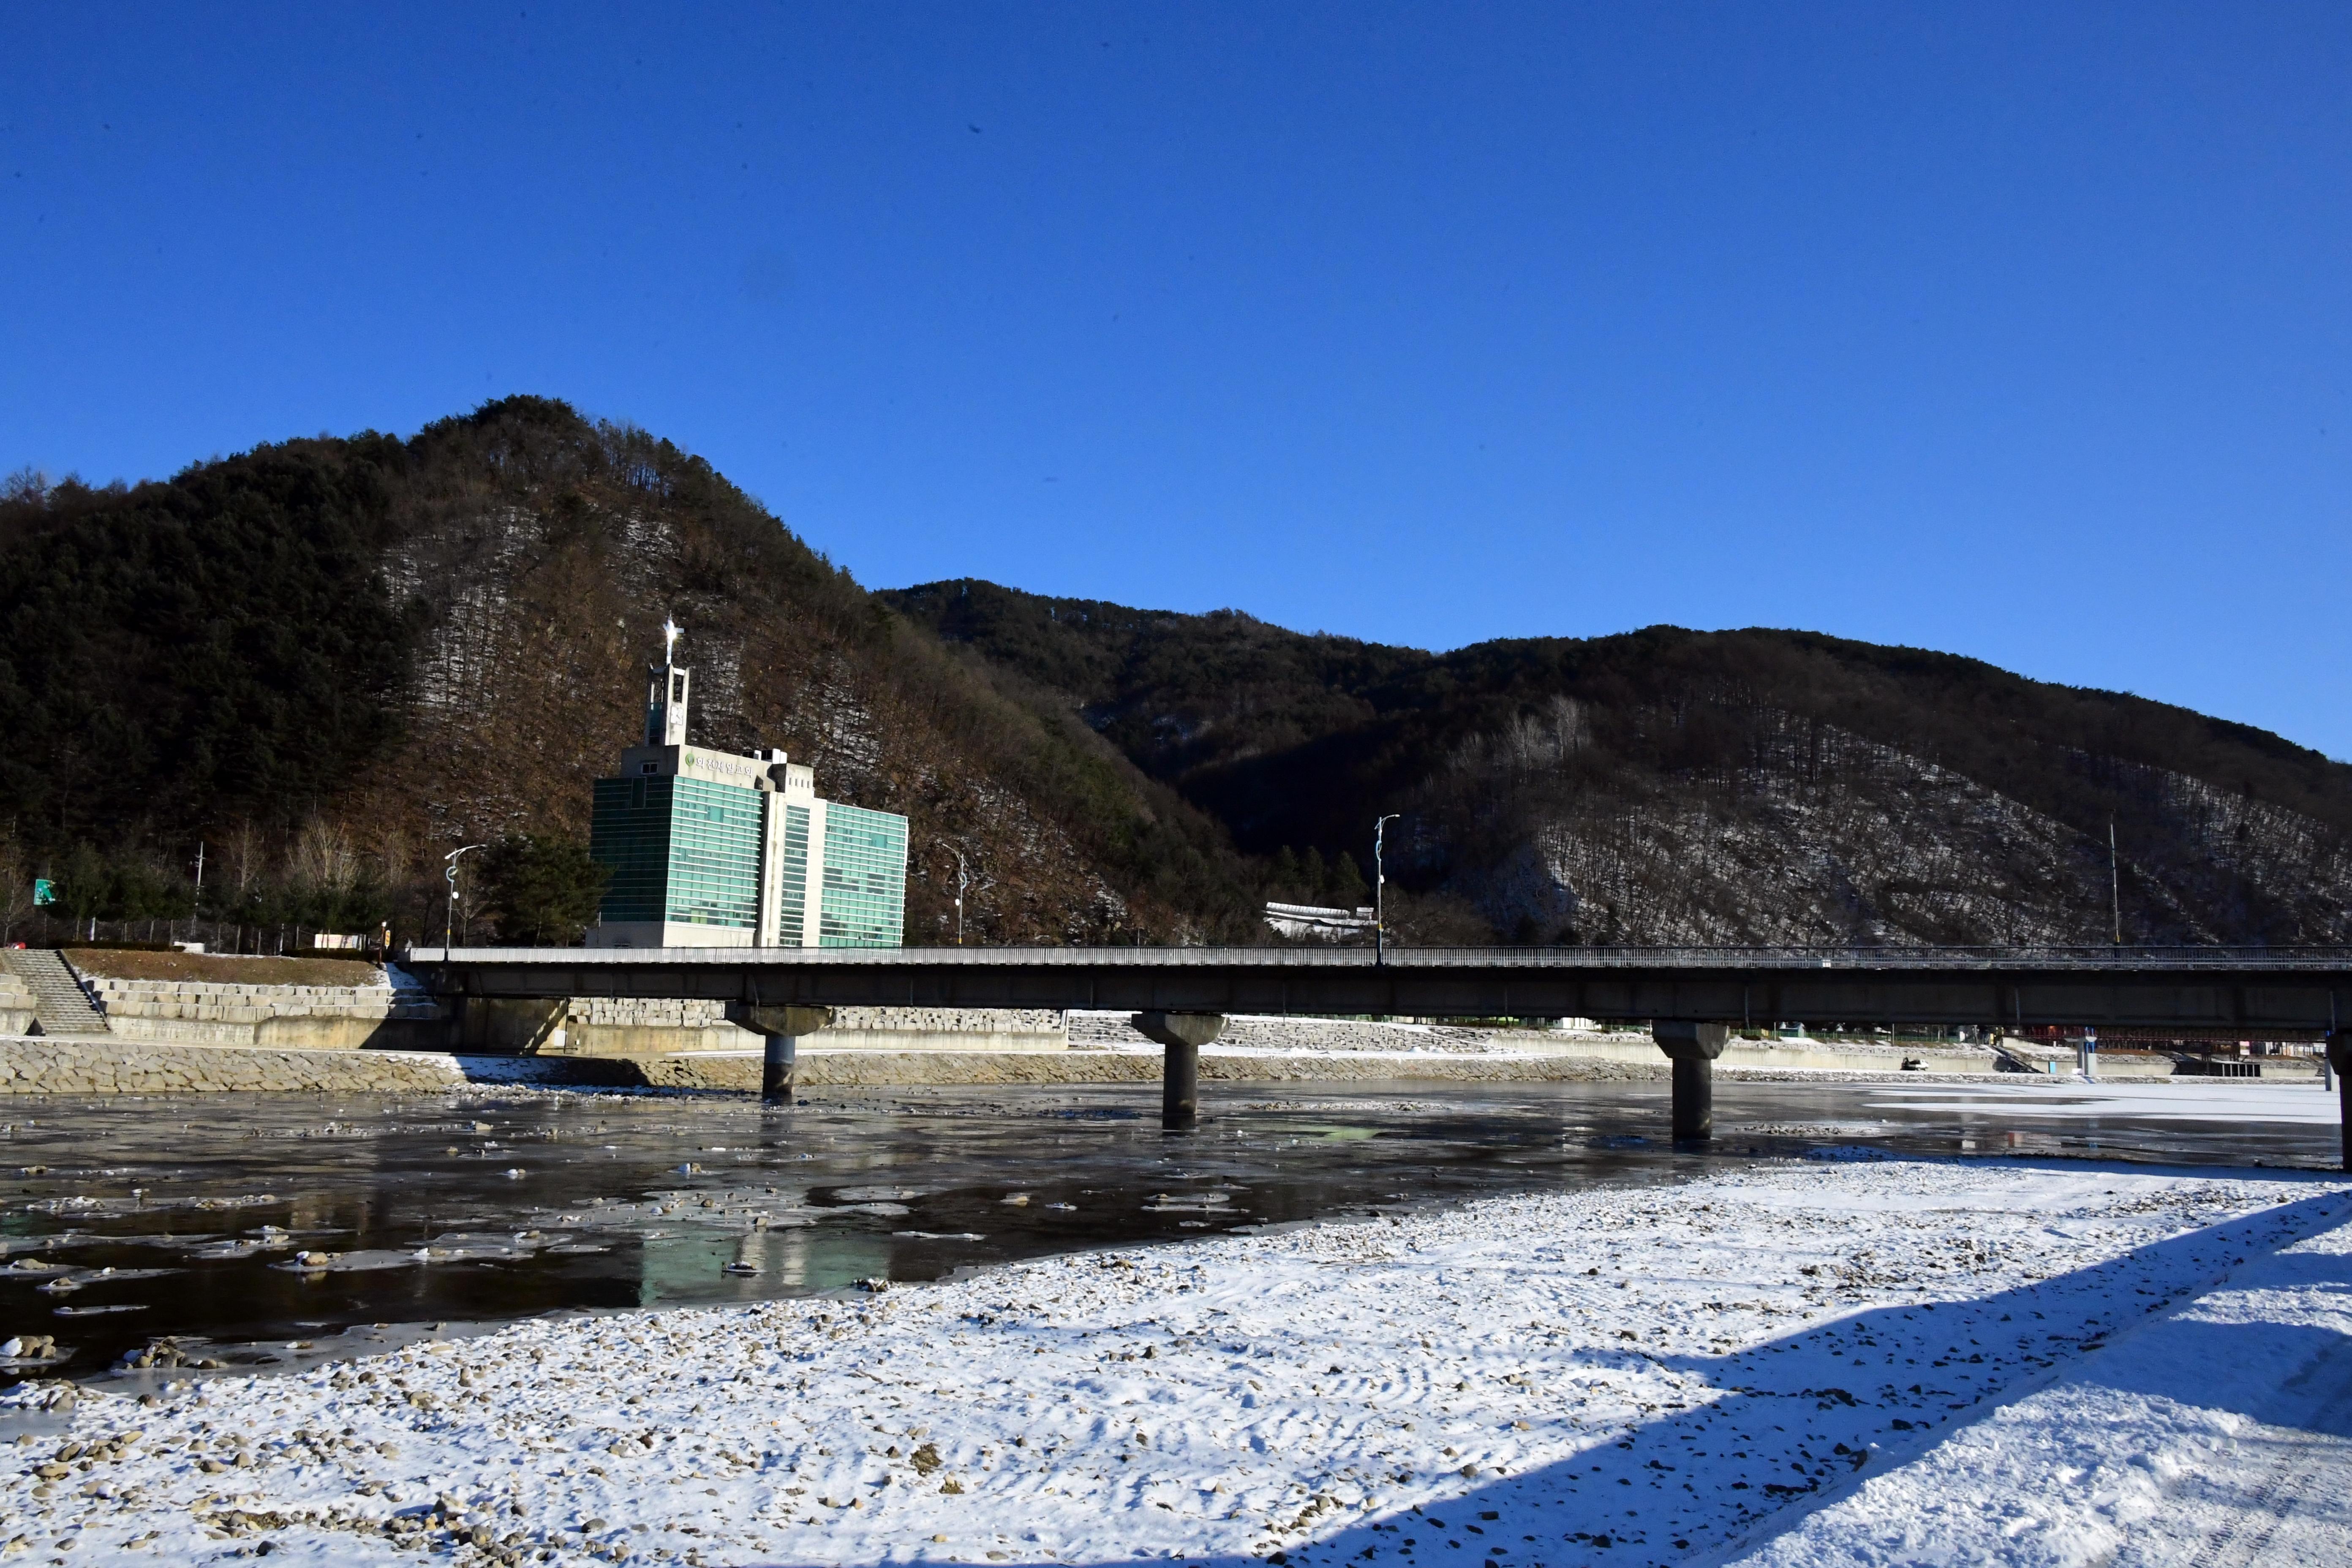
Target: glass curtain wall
[(864, 900), (714, 854)]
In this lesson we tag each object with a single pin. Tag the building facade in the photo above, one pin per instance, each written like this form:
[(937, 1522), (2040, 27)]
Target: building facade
[(714, 849)]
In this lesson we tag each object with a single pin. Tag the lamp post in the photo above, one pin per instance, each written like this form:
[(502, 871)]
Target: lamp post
[(1380, 890), (2115, 884), (967, 884), (449, 929)]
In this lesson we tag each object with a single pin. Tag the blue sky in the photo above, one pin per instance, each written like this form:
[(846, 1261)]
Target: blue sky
[(2022, 331)]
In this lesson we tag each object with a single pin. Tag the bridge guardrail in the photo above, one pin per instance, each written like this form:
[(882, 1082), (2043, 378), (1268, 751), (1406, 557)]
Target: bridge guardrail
[(2083, 959)]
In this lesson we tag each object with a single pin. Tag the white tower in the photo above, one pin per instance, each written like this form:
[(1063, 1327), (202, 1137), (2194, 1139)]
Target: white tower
[(665, 693)]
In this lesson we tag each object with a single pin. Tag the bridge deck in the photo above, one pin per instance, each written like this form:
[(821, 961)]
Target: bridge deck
[(2206, 988)]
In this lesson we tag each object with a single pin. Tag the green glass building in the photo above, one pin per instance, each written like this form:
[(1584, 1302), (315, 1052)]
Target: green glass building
[(862, 892), (714, 849)]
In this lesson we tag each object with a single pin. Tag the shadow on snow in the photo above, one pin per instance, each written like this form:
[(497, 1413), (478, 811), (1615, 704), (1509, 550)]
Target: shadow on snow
[(1780, 1429)]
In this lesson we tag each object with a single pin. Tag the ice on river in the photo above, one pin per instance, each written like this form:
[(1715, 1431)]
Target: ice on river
[(2214, 1099), (1801, 1362)]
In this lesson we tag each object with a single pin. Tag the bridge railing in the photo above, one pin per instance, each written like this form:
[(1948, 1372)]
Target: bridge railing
[(2087, 959)]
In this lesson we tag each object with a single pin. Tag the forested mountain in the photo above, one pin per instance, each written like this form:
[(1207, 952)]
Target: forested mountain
[(1674, 786), (332, 660)]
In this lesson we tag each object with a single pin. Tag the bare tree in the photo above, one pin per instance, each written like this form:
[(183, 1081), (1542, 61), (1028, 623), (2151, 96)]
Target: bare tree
[(322, 857), (244, 855)]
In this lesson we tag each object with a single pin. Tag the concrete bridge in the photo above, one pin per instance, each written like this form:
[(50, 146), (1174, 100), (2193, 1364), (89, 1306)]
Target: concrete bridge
[(1691, 996)]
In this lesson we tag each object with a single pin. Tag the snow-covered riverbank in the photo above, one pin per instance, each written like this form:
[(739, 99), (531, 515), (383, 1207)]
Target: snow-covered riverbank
[(1774, 1359)]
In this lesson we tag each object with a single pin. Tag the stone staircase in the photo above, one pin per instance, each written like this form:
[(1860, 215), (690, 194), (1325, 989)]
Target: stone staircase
[(60, 1006), (410, 999)]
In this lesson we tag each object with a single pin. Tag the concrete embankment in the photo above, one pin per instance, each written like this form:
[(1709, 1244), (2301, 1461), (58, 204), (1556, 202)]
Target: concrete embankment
[(44, 1066), (103, 1066), (879, 1067), (1265, 1033)]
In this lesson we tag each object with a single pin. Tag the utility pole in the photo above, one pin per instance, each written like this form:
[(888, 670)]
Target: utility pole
[(1380, 890), (200, 894), (449, 929), (2115, 884)]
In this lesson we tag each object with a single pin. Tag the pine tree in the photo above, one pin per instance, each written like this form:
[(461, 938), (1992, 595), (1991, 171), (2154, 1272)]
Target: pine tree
[(1312, 876), (1348, 887), (86, 887), (542, 889)]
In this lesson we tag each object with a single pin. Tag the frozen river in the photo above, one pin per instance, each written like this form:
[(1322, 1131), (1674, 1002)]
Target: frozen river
[(261, 1230)]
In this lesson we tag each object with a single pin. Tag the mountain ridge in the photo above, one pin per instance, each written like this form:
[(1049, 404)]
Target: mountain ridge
[(331, 659), (1292, 738), (516, 562)]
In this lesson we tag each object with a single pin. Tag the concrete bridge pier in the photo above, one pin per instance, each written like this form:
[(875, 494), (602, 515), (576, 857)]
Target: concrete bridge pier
[(783, 1026), (2339, 1062), (1182, 1035), (1693, 1048)]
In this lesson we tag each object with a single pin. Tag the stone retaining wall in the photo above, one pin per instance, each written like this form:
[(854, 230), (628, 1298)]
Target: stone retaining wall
[(291, 1017), (1257, 1032), (39, 1066), (82, 1066), (17, 1007), (877, 1069), (638, 1028), (656, 1012), (216, 1002), (1809, 1056), (1274, 1033)]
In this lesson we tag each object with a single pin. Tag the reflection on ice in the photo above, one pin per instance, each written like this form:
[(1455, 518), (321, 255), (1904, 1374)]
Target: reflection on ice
[(281, 1217)]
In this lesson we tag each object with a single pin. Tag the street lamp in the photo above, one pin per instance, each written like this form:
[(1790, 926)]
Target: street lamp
[(967, 885), (449, 929), (962, 878), (1380, 891)]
